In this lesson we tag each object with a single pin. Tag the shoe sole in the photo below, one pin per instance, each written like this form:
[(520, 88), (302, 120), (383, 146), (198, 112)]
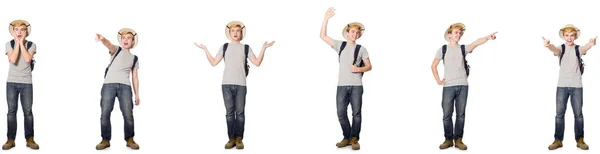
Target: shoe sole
[(556, 147), (32, 147), (238, 147), (102, 148), (8, 148), (583, 148), (459, 148), (132, 148)]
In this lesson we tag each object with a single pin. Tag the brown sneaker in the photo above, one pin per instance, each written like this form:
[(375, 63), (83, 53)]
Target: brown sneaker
[(31, 144), (230, 144), (103, 145), (446, 144), (131, 144), (343, 143), (238, 143), (555, 145), (459, 144), (581, 144), (8, 145), (354, 143)]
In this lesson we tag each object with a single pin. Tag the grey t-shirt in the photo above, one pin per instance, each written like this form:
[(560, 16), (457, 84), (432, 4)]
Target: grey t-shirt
[(454, 68), (569, 74), (21, 71), (120, 69), (235, 72), (346, 77)]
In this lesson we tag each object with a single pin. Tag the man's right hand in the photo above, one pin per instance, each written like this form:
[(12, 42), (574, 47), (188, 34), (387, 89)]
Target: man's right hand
[(99, 37), (330, 12), (546, 42)]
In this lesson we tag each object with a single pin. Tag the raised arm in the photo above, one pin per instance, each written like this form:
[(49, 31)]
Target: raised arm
[(13, 55), (213, 61), (434, 70), (551, 47), (27, 55), (257, 61), (111, 48), (330, 12), (136, 84), (588, 46), (481, 41)]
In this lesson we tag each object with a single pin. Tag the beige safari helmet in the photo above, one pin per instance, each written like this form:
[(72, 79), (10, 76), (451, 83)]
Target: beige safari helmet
[(448, 29), (125, 31), (12, 24), (362, 29), (560, 32), (233, 23)]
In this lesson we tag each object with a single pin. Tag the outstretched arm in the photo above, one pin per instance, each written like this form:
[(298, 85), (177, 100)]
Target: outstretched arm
[(257, 61), (330, 12), (481, 41), (213, 61), (588, 46), (551, 47)]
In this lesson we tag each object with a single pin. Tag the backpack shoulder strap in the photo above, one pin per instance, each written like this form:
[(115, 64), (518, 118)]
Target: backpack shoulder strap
[(225, 49), (246, 49), (562, 53), (29, 44), (356, 51), (116, 54), (463, 50), (135, 59), (342, 47), (444, 48)]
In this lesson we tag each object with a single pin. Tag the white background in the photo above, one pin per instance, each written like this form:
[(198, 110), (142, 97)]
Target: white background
[(291, 99)]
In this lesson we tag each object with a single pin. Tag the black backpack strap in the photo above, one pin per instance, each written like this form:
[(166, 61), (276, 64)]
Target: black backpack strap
[(342, 48), (464, 54), (225, 49), (29, 44), (12, 44), (111, 61), (135, 59), (356, 51), (246, 50), (444, 48), (581, 67), (562, 53)]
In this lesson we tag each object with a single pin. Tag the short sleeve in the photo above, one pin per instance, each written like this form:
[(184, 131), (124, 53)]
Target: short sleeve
[(337, 45), (33, 47), (250, 52), (220, 53), (439, 54), (8, 47), (137, 64), (364, 54)]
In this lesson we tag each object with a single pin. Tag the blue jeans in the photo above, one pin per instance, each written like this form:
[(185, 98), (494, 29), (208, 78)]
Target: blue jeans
[(234, 97), (349, 95), (562, 96), (13, 91), (454, 96), (124, 94)]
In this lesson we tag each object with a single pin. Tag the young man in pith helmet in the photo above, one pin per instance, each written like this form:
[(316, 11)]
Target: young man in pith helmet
[(353, 62), (117, 84), (456, 87), (236, 56), (19, 84), (569, 83)]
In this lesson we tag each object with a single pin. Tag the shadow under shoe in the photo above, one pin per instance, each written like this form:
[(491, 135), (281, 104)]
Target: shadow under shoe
[(31, 144), (446, 144), (555, 145), (581, 144), (131, 144), (238, 143), (103, 145), (8, 145), (459, 144)]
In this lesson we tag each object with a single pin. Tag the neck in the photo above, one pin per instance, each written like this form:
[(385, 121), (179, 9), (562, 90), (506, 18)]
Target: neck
[(453, 43), (569, 44), (351, 42), (235, 42)]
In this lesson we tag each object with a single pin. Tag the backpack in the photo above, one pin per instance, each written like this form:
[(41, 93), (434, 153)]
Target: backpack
[(361, 63), (135, 59), (464, 54), (581, 64), (29, 44), (246, 50)]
